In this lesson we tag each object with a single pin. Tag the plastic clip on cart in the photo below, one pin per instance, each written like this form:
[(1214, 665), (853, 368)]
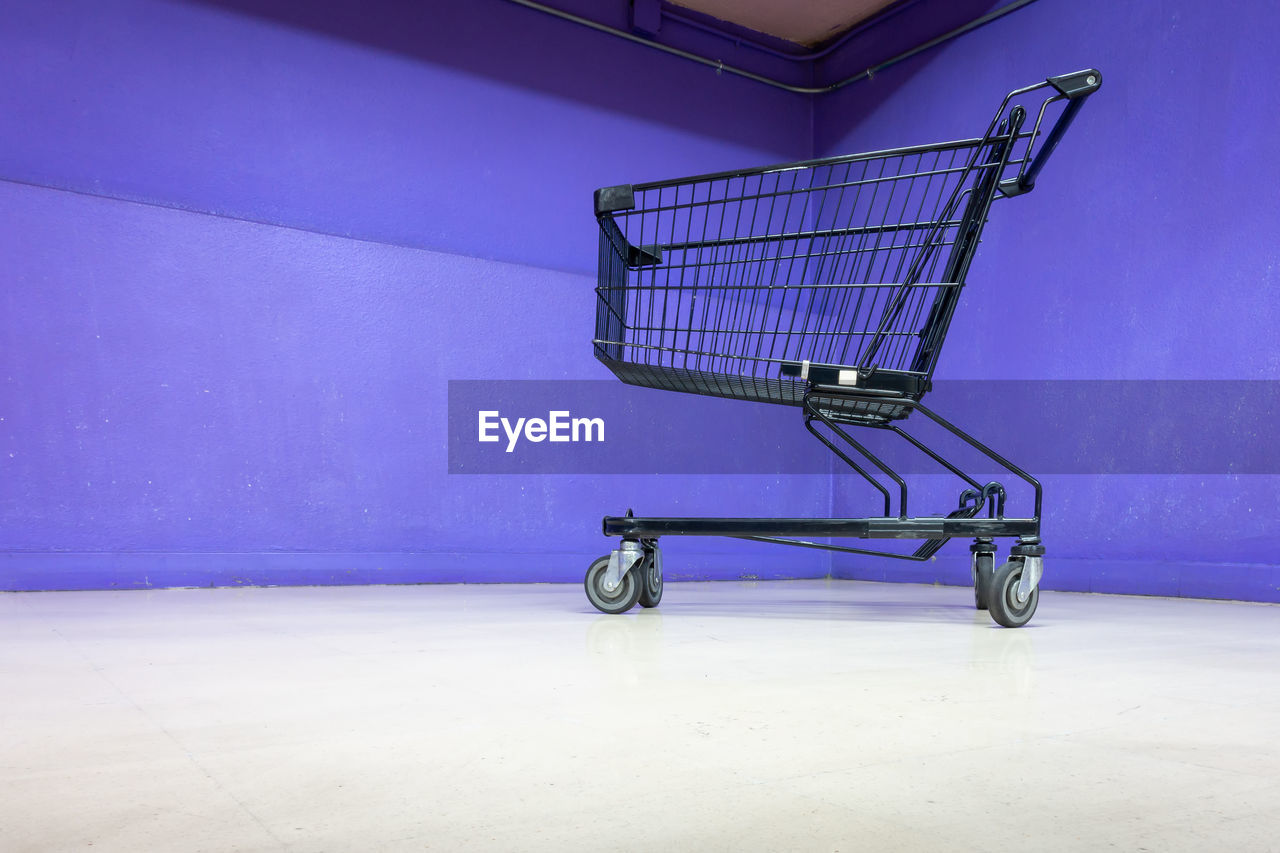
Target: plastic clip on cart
[(829, 285)]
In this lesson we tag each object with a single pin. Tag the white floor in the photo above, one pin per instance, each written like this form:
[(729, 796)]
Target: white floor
[(801, 715)]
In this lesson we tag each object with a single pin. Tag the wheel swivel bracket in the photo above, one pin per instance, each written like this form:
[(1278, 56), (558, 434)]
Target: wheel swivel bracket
[(1032, 571), (622, 560), (1032, 554)]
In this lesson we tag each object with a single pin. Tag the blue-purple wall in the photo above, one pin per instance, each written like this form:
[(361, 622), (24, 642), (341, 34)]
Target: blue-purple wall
[(1148, 251), (246, 244), (243, 254)]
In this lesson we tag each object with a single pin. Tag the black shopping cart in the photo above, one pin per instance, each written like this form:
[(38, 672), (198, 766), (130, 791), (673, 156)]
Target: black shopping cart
[(829, 285)]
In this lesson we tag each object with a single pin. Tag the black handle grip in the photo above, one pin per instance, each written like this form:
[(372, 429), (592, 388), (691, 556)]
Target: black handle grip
[(1079, 85), (1075, 88)]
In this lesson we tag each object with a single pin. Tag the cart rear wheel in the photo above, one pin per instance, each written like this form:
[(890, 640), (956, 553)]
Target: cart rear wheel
[(1002, 597), (650, 582), (619, 600), (984, 569)]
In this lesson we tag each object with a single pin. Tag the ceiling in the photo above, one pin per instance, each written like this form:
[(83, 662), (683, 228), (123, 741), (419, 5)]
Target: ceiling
[(806, 22)]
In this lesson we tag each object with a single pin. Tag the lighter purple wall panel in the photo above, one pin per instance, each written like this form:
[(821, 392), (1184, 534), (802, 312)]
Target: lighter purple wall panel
[(193, 399), (180, 384)]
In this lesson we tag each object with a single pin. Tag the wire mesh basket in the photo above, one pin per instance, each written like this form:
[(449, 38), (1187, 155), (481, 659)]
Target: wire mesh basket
[(756, 284)]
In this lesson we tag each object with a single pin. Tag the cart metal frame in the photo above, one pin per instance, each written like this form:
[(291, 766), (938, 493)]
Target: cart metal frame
[(839, 306)]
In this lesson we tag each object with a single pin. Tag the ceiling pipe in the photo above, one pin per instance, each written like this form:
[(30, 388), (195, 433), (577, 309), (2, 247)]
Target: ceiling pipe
[(670, 13), (719, 66)]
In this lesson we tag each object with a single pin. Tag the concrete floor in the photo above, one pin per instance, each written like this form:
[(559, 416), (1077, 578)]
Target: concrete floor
[(800, 715)]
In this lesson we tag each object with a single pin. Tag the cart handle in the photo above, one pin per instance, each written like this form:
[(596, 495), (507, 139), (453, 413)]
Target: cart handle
[(1075, 88)]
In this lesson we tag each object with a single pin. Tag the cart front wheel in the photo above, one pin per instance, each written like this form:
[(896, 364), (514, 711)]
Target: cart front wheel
[(618, 600), (651, 581), (1002, 597), (984, 568)]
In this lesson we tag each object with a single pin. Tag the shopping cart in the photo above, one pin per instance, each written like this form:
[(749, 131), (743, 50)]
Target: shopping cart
[(829, 285)]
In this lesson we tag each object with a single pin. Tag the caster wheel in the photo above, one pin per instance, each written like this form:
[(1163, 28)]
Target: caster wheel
[(619, 600), (984, 568), (1002, 597), (650, 573)]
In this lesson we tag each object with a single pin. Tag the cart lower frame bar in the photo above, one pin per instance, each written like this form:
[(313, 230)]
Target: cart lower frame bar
[(857, 528)]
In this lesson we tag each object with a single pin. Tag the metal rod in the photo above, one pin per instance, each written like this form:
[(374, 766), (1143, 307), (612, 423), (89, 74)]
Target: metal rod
[(857, 528), (674, 51), (812, 411), (823, 546), (954, 430), (808, 424), (934, 455), (839, 159), (945, 37), (760, 78), (805, 56)]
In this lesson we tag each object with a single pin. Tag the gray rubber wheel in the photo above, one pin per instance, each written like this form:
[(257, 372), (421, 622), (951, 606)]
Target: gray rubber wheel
[(982, 581), (619, 600), (1002, 599), (650, 583)]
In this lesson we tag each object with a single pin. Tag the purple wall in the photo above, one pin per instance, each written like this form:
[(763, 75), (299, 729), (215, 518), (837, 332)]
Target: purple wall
[(246, 245), (220, 385), (1148, 251)]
